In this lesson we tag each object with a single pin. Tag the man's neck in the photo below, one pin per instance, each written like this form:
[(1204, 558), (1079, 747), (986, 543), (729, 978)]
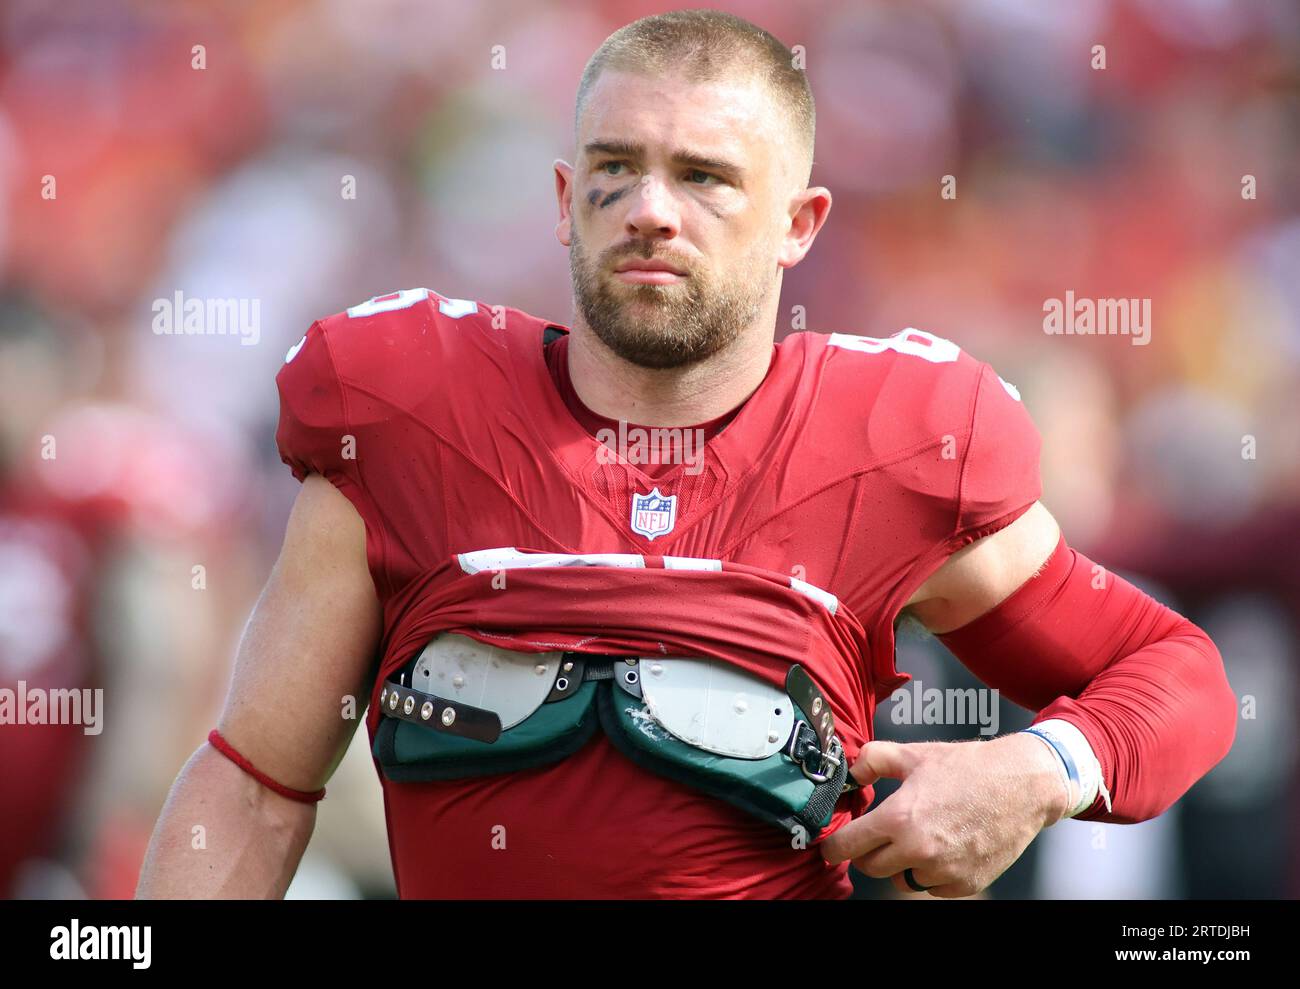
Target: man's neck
[(612, 387)]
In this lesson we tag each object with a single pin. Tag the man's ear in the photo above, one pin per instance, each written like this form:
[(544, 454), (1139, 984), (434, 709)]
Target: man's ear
[(564, 194), (809, 210)]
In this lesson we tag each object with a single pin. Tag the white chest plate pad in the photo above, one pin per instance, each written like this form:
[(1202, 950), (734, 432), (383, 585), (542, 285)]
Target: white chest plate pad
[(704, 702), (716, 706), (513, 684)]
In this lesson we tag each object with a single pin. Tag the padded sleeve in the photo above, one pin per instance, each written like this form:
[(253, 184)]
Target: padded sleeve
[(313, 432), (999, 476), (317, 435), (1145, 686)]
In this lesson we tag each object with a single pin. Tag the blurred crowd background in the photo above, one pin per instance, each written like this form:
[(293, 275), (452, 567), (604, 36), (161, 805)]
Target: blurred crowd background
[(142, 500)]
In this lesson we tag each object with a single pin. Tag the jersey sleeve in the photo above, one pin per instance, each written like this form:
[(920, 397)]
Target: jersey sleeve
[(999, 477), (312, 434)]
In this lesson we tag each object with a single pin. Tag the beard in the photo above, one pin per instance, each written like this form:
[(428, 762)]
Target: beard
[(664, 326)]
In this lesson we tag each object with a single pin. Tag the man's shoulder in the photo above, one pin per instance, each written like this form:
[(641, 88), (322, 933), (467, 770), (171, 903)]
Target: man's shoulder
[(420, 323), (919, 354), (904, 388), (385, 372), (930, 417), (409, 354), (398, 345)]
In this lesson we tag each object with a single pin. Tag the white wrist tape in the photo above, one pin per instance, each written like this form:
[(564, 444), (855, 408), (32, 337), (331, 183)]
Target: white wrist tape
[(1073, 741)]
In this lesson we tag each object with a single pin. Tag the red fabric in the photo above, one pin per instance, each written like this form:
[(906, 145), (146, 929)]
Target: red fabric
[(218, 742), (557, 362), (856, 468), (742, 615), (42, 766), (1145, 686)]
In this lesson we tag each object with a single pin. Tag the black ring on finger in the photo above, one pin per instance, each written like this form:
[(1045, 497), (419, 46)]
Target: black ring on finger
[(912, 883)]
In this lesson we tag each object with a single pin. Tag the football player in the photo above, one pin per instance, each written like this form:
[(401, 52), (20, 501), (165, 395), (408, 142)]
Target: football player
[(458, 478)]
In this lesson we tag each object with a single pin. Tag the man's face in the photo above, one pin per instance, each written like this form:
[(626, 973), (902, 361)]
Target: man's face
[(688, 177)]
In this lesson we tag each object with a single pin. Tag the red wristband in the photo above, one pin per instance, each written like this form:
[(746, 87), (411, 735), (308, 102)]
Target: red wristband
[(216, 740)]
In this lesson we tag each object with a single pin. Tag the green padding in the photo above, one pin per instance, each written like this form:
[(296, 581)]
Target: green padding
[(774, 788), (409, 752)]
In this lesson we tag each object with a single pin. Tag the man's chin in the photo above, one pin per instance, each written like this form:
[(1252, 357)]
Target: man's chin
[(654, 351), (646, 291)]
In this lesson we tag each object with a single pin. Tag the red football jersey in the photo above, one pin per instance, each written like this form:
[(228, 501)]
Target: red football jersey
[(859, 465)]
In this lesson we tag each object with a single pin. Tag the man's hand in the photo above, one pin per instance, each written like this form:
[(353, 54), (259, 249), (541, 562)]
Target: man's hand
[(965, 811)]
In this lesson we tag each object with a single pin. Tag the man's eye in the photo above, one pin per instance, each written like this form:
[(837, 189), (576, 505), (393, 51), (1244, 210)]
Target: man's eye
[(611, 165), (697, 177)]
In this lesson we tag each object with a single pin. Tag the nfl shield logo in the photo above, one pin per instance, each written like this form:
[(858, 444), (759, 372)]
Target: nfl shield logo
[(653, 514)]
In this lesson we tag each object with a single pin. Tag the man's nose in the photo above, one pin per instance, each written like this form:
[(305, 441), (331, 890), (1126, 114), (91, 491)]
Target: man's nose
[(653, 211)]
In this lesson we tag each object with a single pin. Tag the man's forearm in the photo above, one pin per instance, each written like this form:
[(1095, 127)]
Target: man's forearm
[(222, 835), (1167, 706), (1144, 685)]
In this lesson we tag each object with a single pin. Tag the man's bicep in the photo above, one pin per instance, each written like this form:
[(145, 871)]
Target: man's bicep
[(309, 646), (979, 577)]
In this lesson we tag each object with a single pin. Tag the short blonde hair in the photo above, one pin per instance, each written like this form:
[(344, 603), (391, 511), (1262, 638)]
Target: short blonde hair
[(704, 45)]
